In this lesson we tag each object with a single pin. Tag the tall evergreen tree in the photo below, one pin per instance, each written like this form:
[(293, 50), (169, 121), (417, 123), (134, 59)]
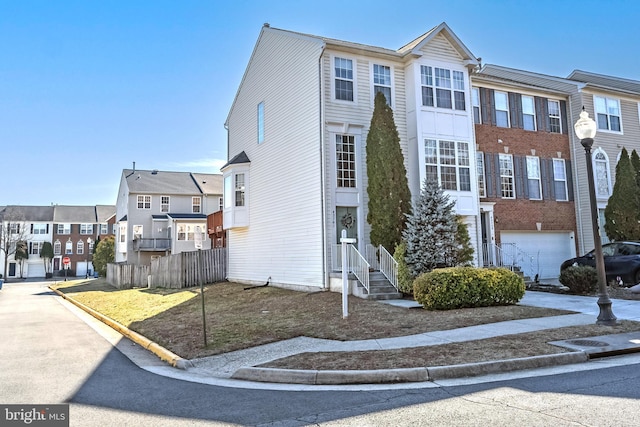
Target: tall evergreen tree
[(621, 213), (635, 162), (46, 253), (431, 231), (388, 187)]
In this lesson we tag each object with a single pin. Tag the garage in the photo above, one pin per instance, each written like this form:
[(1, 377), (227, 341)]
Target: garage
[(547, 249)]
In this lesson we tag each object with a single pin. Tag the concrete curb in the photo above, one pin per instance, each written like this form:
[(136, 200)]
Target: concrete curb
[(164, 354), (382, 376)]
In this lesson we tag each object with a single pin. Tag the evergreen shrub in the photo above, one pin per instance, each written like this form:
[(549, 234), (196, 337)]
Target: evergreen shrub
[(465, 287), (405, 279), (580, 279)]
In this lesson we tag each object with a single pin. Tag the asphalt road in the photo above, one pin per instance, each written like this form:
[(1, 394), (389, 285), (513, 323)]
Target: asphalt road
[(51, 355)]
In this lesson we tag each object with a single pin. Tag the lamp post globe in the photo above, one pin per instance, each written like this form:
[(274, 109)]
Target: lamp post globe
[(585, 129)]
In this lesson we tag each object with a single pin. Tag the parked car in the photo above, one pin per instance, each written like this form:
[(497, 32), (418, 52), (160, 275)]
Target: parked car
[(621, 259)]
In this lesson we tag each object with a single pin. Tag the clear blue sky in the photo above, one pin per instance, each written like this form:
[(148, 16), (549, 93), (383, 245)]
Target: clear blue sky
[(87, 87)]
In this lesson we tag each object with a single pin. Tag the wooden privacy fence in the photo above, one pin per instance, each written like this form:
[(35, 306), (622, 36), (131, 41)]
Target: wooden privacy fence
[(181, 270)]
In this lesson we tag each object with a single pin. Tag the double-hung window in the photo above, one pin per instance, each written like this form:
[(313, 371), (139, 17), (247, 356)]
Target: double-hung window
[(443, 88), (346, 161), (39, 228), (426, 78), (64, 228), (144, 202), (607, 113), (560, 180), (68, 248), (86, 228), (528, 113), (382, 81), (447, 163), (343, 69), (196, 204), (502, 109), (35, 248), (239, 189), (80, 247), (57, 247), (104, 229), (533, 178), (164, 203), (555, 125), (601, 172), (506, 176)]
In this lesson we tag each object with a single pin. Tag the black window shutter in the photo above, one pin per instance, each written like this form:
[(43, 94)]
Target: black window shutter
[(568, 173), (542, 113), (563, 117), (31, 228), (47, 228), (498, 181), (515, 110), (492, 106), (31, 244), (489, 174), (485, 106), (520, 176)]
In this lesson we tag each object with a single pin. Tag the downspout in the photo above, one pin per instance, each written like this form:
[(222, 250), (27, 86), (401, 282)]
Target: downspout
[(323, 216)]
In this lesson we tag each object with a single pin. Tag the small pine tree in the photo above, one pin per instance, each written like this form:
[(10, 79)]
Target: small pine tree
[(388, 187), (431, 231), (464, 254), (405, 279), (621, 213)]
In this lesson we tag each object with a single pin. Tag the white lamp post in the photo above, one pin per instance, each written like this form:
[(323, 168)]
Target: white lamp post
[(585, 129), (86, 274)]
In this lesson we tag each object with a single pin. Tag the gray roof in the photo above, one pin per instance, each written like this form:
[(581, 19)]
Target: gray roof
[(164, 182), (209, 183), (75, 214), (526, 79), (28, 213), (105, 212), (237, 159), (606, 82)]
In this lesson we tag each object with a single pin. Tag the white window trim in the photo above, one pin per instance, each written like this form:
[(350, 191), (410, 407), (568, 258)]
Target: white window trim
[(457, 166), (595, 114), (198, 204), (559, 114), (566, 188), (143, 197), (168, 204), (533, 104), (481, 175), (354, 63), (539, 178), (507, 110), (601, 196), (512, 176), (474, 106), (235, 216), (355, 161), (392, 101)]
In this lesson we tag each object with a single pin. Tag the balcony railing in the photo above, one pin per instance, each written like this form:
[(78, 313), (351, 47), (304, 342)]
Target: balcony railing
[(158, 244)]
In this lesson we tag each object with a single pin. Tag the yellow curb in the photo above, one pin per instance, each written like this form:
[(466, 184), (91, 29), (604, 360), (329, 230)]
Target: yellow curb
[(164, 354)]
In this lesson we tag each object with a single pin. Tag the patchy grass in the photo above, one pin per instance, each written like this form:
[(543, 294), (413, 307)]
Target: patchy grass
[(237, 318)]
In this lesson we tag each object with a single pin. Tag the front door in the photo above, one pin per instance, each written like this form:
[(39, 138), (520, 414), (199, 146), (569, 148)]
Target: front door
[(347, 219), (12, 269)]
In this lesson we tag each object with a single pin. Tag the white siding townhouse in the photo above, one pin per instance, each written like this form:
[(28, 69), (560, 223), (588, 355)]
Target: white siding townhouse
[(297, 130), (161, 213)]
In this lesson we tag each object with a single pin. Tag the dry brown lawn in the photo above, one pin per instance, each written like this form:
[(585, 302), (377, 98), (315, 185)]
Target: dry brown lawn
[(239, 318)]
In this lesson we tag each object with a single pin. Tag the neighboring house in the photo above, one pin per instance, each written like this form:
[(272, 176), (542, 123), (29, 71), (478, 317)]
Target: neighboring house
[(614, 103), (297, 130), (524, 168), (160, 213), (71, 230), (76, 229)]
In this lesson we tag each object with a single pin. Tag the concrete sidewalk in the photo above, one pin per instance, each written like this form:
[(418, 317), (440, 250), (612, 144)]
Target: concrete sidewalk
[(240, 364)]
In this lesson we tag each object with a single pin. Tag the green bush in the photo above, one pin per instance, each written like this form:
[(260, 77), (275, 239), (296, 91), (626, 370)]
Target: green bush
[(580, 279), (462, 287), (405, 279)]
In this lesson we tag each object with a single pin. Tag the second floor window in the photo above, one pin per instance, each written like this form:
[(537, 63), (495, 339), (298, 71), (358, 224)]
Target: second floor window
[(39, 228), (68, 248), (475, 104), (104, 228), (86, 228), (57, 247), (560, 180), (346, 161), (196, 204), (382, 81), (533, 178), (164, 204), (144, 202), (447, 162), (607, 113), (447, 85), (35, 248), (239, 189), (64, 228), (343, 69), (506, 176)]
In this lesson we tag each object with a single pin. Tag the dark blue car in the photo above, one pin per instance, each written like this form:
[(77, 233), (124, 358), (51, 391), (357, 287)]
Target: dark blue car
[(621, 259)]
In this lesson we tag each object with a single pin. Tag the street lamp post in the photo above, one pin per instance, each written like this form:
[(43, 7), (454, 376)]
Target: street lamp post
[(585, 129), (86, 275)]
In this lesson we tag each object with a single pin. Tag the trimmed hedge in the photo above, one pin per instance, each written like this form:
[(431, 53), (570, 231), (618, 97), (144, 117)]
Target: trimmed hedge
[(463, 287), (580, 279)]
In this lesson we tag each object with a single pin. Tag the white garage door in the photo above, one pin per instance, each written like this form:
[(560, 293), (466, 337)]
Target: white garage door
[(548, 250)]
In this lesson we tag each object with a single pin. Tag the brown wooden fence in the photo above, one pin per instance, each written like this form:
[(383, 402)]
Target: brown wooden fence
[(181, 270)]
